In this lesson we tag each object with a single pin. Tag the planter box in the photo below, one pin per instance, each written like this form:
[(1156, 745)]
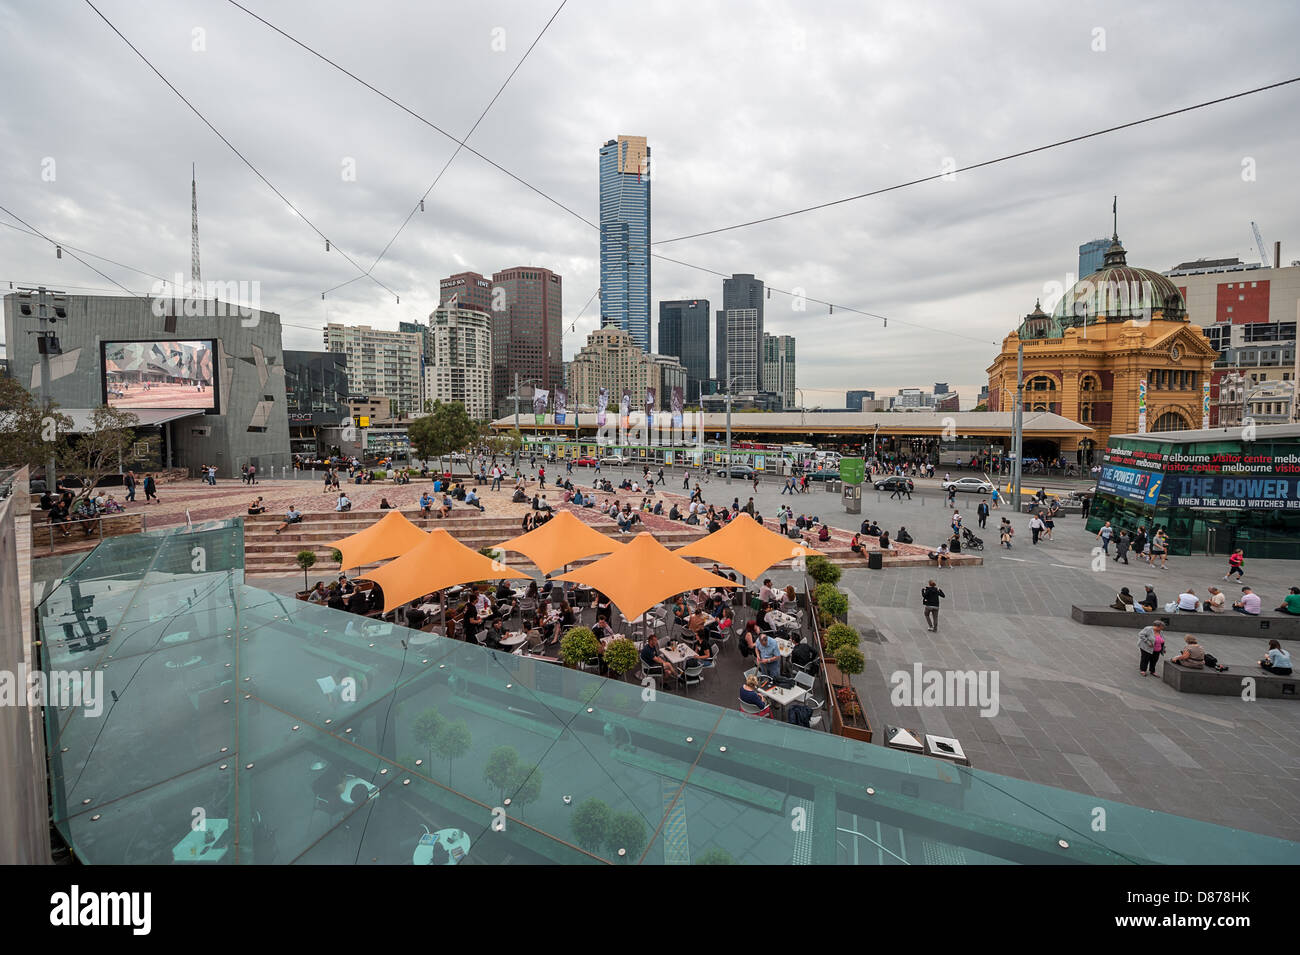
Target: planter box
[(859, 729)]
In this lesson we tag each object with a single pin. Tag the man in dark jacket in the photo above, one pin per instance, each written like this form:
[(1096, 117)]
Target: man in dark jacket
[(930, 595)]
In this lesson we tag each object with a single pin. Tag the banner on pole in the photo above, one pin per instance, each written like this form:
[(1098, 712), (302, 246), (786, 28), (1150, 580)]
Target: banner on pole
[(602, 402), (677, 405), (1142, 406), (540, 395), (561, 402)]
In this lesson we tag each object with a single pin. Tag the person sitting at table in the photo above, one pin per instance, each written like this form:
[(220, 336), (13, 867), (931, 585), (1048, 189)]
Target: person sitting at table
[(652, 655), (566, 619), (335, 599), (719, 625), (507, 602), (346, 585), (768, 656), (697, 621), (318, 594), (257, 507), (749, 639), (703, 648), (494, 633), (749, 692), (788, 599), (415, 617), (602, 629), (765, 593), (292, 516), (680, 613)]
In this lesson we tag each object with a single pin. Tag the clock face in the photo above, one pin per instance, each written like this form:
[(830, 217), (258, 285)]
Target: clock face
[(1175, 352)]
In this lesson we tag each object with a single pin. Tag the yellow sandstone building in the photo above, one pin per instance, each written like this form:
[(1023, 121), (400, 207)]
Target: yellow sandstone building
[(1114, 330)]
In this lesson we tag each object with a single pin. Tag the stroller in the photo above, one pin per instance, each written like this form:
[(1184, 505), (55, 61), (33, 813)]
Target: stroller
[(970, 540)]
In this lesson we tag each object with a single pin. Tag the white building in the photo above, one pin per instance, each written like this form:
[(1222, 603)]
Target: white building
[(458, 364), (381, 363)]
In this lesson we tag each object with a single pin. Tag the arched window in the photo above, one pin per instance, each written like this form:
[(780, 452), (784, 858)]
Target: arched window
[(1170, 421), (1089, 383), (1086, 412), (1041, 383), (1040, 393)]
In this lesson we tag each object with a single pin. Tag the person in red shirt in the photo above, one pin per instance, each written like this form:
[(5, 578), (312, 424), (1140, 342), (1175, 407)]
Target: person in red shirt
[(1236, 562)]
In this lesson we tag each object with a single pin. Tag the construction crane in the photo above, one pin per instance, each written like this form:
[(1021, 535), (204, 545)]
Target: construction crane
[(1259, 241)]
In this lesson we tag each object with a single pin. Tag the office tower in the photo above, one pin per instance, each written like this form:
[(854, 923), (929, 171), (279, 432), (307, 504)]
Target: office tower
[(526, 334), (613, 361), (743, 295), (458, 366), (684, 333), (625, 237), (470, 290), (381, 362), (853, 399), (1091, 256), (778, 368)]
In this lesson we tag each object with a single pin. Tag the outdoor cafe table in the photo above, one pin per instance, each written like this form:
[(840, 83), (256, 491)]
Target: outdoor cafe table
[(678, 656), (514, 639), (782, 621), (784, 696)]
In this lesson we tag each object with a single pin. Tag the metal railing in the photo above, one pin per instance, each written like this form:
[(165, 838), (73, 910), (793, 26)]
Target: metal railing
[(65, 528)]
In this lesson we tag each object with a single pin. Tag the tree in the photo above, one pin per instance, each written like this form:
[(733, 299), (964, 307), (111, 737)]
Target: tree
[(590, 824), (26, 429), (445, 430), (102, 449), (426, 728), (578, 646), (849, 660), (626, 831), (525, 786), (500, 768), (306, 560), (505, 443), (452, 742), (621, 656)]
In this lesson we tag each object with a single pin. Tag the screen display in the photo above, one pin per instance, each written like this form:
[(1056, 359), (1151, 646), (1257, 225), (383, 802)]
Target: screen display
[(161, 374)]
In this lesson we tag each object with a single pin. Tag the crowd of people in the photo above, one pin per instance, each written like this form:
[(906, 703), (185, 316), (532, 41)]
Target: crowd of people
[(1152, 646)]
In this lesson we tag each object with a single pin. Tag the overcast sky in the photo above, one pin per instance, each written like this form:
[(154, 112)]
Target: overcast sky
[(751, 109)]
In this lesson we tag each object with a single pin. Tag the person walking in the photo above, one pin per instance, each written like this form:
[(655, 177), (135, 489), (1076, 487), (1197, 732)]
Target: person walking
[(1087, 506), (755, 482), (1160, 548), (1035, 527), (1236, 564), (1151, 643), (1121, 547), (252, 475), (150, 489), (541, 476), (995, 497), (686, 481), (930, 595), (661, 477), (983, 513), (243, 473), (1104, 536), (129, 481), (952, 495)]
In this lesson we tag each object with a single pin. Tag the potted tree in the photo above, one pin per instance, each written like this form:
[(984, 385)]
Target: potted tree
[(850, 661), (822, 570), (838, 635), (578, 646), (832, 605), (306, 559), (621, 656)]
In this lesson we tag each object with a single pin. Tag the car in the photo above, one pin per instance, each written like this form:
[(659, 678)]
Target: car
[(737, 470), (972, 484), (585, 462), (613, 459), (894, 481)]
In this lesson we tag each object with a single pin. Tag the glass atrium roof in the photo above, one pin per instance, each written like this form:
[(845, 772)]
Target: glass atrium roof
[(241, 726)]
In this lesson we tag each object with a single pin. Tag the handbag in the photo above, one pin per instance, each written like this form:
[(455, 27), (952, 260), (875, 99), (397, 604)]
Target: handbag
[(1171, 607)]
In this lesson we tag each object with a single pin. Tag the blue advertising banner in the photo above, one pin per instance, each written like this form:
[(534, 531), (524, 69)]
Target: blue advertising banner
[(1254, 493), (1132, 485)]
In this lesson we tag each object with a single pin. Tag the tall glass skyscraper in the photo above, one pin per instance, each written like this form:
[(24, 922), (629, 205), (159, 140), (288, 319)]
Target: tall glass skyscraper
[(625, 237), (1091, 255), (684, 333)]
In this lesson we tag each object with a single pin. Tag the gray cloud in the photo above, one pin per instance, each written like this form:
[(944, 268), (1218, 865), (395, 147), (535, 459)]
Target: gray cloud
[(750, 109)]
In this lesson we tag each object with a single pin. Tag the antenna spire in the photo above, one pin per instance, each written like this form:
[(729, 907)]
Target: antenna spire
[(194, 228)]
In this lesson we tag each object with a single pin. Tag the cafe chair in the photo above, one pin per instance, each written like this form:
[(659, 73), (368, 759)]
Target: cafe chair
[(591, 664), (752, 709), (654, 671), (692, 673)]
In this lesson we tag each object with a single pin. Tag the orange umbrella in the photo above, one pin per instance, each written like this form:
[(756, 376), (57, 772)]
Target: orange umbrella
[(747, 546), (387, 537), (561, 540), (438, 561), (642, 573)]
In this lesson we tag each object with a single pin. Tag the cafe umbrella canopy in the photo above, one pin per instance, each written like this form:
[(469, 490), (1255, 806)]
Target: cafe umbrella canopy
[(747, 546), (437, 562), (641, 574), (560, 541), (390, 536)]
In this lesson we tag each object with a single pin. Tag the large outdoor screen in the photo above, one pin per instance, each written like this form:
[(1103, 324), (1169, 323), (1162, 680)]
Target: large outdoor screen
[(160, 374)]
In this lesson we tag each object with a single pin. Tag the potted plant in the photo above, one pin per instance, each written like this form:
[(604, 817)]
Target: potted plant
[(822, 570), (306, 559), (336, 555), (621, 656), (838, 635), (831, 603), (590, 824), (578, 646), (853, 721)]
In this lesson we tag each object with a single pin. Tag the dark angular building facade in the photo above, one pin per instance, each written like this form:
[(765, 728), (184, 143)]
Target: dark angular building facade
[(684, 334)]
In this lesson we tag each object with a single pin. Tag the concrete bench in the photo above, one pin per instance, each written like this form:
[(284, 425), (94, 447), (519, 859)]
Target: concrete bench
[(1267, 625), (1268, 686)]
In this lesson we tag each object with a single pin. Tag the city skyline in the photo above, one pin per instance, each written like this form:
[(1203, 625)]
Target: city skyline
[(920, 256)]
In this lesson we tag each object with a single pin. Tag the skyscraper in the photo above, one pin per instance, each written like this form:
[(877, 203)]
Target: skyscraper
[(684, 333), (625, 237), (740, 334), (458, 365), (470, 290), (526, 333), (1091, 255), (778, 367)]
